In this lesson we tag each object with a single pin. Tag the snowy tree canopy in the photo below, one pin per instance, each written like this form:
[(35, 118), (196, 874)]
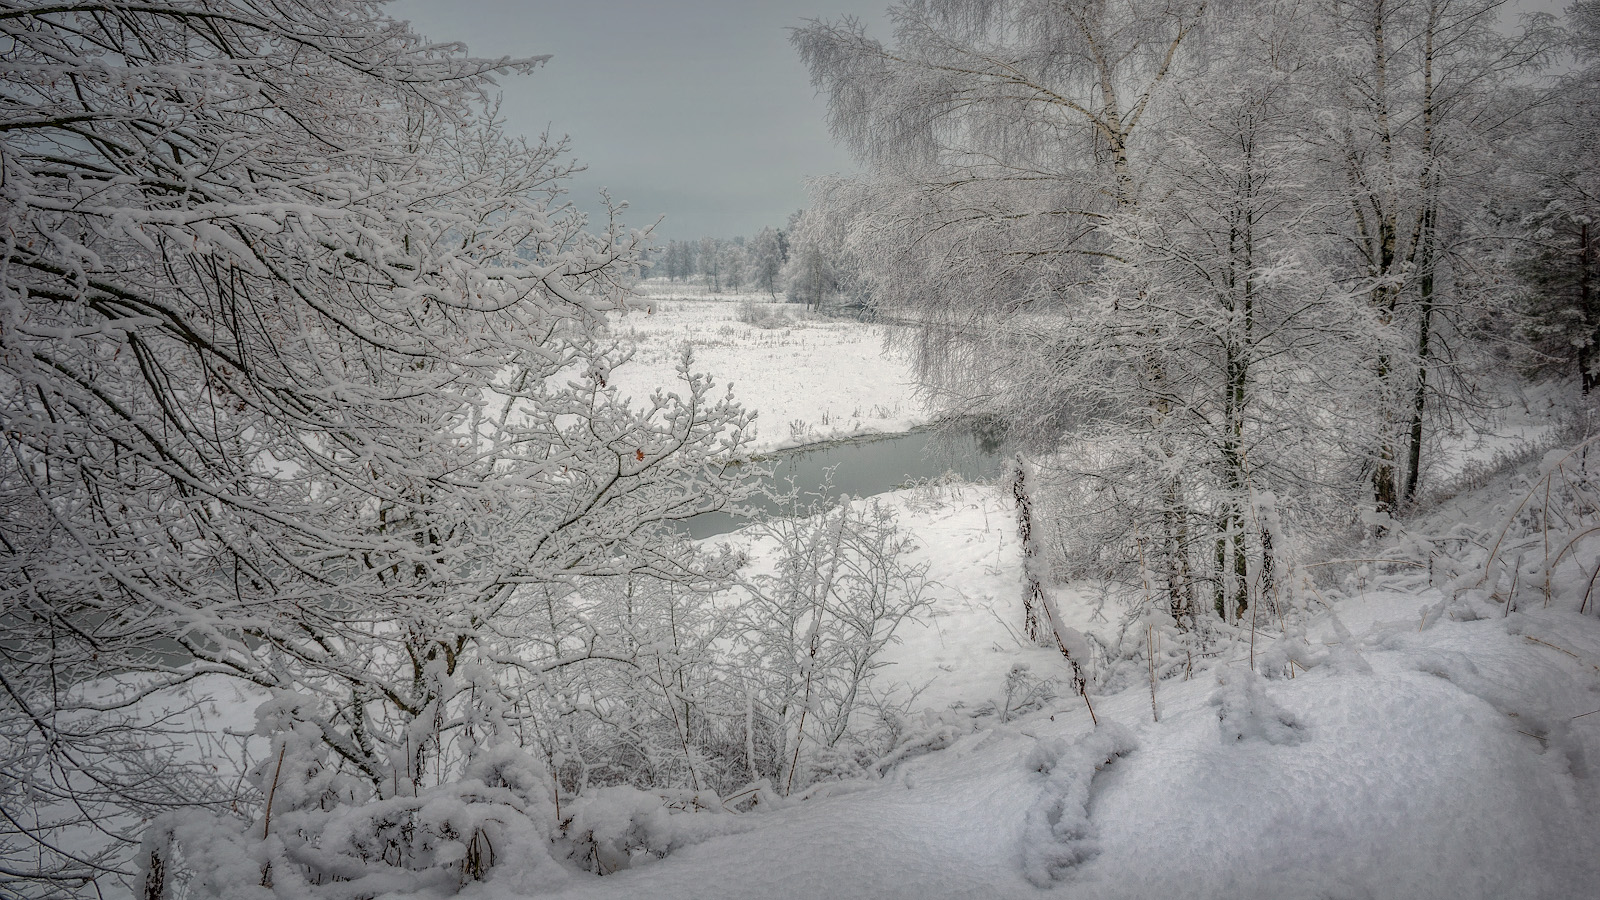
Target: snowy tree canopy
[(304, 379)]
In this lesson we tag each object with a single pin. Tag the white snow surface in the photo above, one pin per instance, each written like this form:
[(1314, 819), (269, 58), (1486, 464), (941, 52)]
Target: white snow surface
[(811, 380), (1413, 762), (1424, 755)]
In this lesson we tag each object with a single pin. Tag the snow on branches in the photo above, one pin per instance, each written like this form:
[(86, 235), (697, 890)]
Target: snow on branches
[(304, 379)]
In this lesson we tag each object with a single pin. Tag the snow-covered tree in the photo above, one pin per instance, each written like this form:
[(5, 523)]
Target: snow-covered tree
[(678, 260), (1221, 303), (304, 384), (1130, 233), (1563, 159), (709, 257), (1420, 106), (734, 265), (766, 257), (823, 267), (1001, 140), (998, 136)]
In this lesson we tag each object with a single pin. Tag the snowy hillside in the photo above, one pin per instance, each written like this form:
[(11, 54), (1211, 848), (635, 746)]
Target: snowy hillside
[(1429, 748)]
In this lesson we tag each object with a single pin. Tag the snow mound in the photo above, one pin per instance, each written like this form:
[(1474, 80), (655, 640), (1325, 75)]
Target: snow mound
[(1058, 836), (1245, 712)]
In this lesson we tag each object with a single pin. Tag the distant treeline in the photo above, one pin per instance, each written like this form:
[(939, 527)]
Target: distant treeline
[(804, 261)]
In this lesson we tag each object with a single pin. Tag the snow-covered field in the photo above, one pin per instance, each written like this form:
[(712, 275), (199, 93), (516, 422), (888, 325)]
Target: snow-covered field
[(810, 379)]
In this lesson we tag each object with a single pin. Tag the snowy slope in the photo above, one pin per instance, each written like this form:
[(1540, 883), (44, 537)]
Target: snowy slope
[(1410, 762), (1409, 776)]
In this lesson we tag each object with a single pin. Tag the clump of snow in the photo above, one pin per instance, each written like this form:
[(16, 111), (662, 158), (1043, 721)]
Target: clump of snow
[(1246, 713), (1057, 836)]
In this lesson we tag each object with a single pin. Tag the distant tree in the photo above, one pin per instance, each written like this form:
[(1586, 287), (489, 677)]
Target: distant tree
[(679, 261), (809, 276), (709, 255), (766, 259), (735, 264), (823, 266)]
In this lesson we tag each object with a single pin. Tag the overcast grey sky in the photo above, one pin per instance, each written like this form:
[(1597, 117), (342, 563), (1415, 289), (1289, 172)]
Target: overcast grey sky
[(698, 110)]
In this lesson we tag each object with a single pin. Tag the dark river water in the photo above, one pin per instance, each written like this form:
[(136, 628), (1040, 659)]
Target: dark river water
[(860, 468)]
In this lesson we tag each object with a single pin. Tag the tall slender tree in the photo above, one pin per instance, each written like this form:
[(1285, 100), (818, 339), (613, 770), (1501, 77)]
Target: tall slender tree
[(1420, 107), (1563, 158)]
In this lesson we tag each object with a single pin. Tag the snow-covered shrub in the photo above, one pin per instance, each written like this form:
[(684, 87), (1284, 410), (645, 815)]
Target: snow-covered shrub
[(752, 693), (655, 703), (1025, 693), (1246, 712), (811, 632), (1534, 543), (643, 683), (621, 827), (324, 833), (1547, 547), (762, 314)]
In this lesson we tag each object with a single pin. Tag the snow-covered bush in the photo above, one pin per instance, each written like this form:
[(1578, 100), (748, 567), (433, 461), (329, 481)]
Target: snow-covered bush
[(656, 702), (322, 832), (430, 845), (764, 315), (622, 827), (1245, 711), (640, 692), (1547, 546), (811, 632)]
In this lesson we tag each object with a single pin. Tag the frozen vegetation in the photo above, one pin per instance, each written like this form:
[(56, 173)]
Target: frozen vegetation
[(1415, 726), (348, 471), (1430, 743)]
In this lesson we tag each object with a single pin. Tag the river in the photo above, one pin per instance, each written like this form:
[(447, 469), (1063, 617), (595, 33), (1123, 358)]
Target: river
[(860, 467)]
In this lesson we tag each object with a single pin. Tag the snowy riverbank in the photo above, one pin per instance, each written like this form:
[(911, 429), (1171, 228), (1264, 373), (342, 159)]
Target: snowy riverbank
[(810, 379)]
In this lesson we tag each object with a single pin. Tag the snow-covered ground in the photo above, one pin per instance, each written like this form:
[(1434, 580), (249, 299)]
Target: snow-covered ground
[(1432, 743), (1524, 420), (1436, 746), (810, 379)]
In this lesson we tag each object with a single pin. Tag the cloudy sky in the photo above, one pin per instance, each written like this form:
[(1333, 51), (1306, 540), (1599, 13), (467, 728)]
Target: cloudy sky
[(696, 110)]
